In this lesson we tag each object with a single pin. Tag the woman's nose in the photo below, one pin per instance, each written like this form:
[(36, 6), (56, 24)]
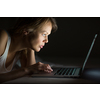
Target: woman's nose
[(46, 40)]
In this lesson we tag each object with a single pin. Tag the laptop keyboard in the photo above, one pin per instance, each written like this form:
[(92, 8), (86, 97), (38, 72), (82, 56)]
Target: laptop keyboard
[(66, 71)]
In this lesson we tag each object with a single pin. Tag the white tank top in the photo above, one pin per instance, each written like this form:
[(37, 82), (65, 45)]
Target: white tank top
[(3, 58)]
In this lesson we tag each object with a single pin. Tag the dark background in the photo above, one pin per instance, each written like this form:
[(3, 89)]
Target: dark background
[(72, 39)]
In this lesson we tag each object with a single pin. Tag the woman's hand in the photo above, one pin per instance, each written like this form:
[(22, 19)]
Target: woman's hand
[(38, 67)]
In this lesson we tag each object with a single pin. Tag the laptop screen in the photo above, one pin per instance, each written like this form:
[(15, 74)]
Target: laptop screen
[(89, 50)]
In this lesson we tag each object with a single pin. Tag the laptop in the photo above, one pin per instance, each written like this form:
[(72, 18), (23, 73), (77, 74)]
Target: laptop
[(66, 72)]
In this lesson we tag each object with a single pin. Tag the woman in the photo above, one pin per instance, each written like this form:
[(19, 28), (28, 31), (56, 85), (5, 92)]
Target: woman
[(21, 42)]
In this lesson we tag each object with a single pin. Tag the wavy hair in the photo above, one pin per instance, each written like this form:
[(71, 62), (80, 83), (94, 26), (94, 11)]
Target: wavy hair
[(31, 22)]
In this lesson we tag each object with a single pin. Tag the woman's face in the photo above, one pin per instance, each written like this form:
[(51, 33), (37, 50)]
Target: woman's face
[(38, 39)]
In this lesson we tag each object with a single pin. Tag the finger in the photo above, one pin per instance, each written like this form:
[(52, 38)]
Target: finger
[(47, 71), (49, 68), (45, 67)]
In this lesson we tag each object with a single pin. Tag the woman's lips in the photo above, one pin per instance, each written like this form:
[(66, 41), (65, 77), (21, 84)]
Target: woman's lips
[(41, 46)]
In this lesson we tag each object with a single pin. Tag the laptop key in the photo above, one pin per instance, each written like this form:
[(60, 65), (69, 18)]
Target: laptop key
[(57, 71), (60, 71), (70, 71), (77, 71), (64, 70), (73, 71)]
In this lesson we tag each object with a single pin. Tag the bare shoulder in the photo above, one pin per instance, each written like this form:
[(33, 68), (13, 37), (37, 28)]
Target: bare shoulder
[(3, 41), (3, 34)]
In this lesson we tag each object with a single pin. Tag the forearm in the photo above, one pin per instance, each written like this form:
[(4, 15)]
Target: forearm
[(13, 75), (30, 57)]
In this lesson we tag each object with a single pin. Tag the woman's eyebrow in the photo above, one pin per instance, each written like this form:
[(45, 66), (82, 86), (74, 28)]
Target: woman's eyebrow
[(45, 31)]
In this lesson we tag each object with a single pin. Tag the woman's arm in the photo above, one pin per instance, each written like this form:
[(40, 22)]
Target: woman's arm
[(25, 71), (13, 75), (27, 58), (30, 57)]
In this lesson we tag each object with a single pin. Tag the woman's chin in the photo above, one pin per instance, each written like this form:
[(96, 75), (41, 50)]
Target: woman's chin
[(37, 50)]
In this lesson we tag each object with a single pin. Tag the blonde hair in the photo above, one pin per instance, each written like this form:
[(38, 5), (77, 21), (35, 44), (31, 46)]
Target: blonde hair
[(32, 22)]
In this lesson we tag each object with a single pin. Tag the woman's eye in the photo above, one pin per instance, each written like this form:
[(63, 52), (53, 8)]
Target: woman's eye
[(44, 34)]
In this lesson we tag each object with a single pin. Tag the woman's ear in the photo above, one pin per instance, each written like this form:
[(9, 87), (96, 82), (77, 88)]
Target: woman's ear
[(25, 32)]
